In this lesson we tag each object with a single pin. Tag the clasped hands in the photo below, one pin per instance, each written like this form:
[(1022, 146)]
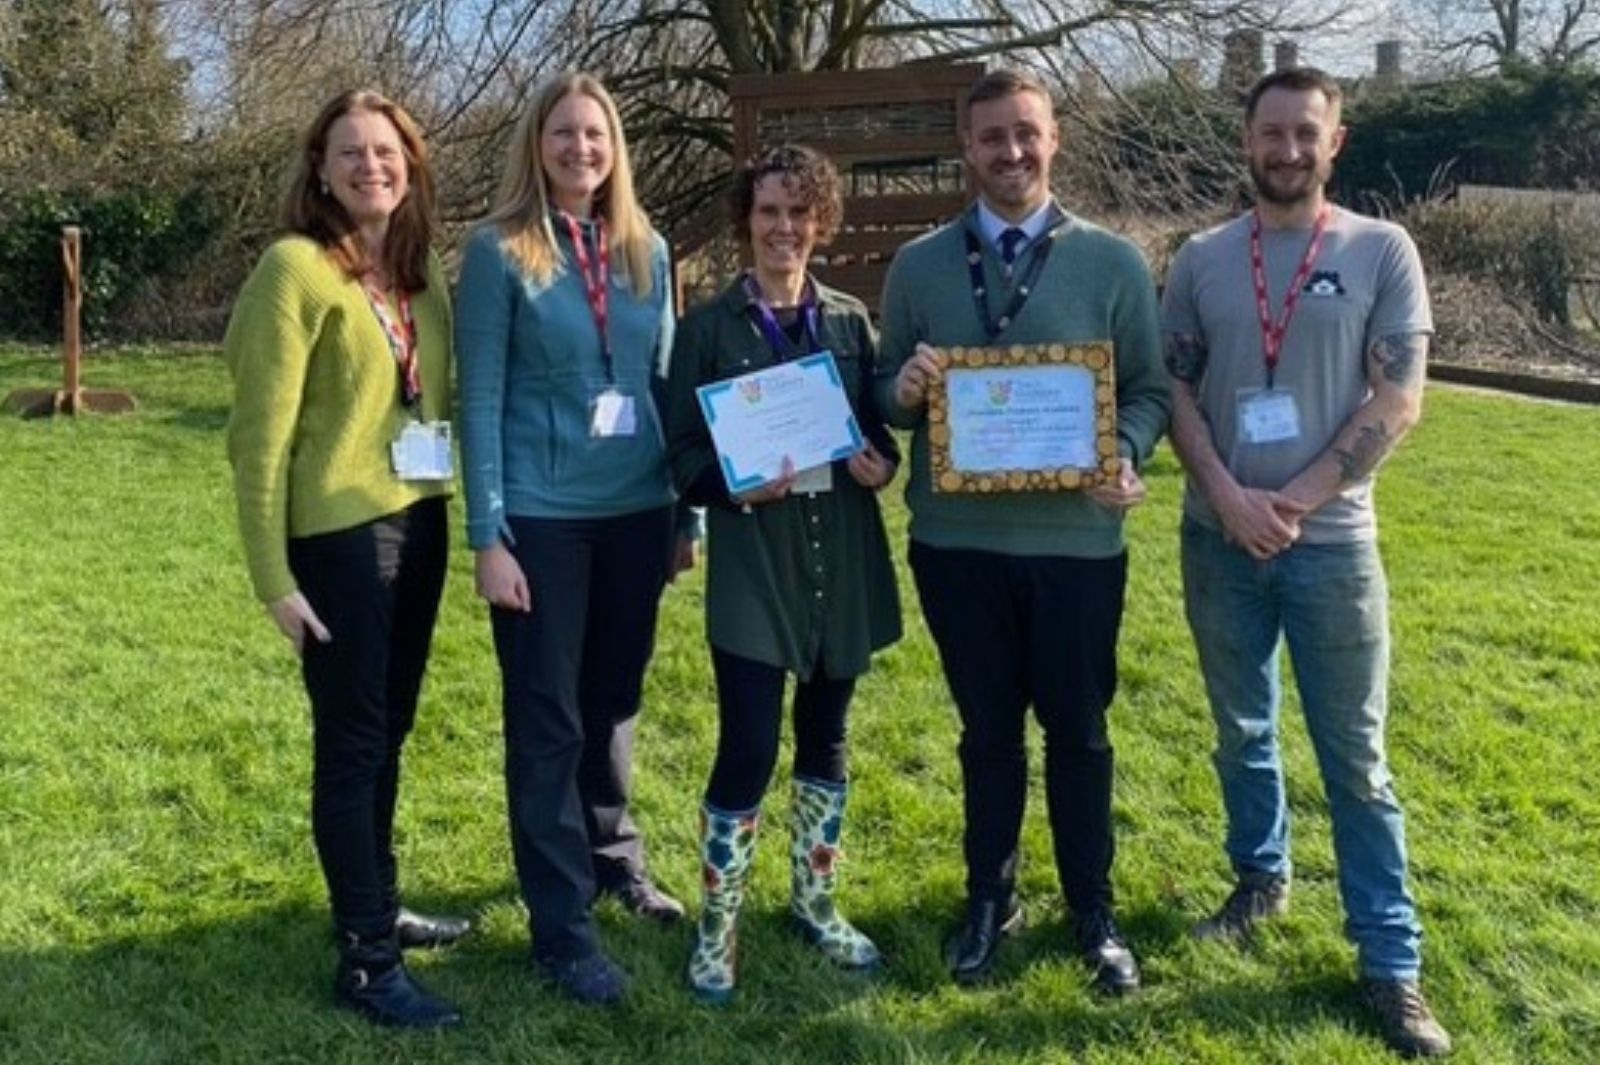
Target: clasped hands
[(1262, 522)]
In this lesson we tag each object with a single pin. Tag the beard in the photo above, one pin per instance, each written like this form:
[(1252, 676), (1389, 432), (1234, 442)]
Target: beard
[(1307, 181)]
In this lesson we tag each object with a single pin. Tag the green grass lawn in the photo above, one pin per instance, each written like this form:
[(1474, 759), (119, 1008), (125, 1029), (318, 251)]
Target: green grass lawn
[(160, 901)]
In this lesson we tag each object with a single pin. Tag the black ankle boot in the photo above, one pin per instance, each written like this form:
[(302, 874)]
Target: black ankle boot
[(372, 980)]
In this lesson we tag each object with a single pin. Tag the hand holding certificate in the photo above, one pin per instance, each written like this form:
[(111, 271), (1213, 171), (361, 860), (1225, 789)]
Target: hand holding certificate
[(794, 410), (1026, 418)]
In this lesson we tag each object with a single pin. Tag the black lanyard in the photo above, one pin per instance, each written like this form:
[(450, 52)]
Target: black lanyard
[(1019, 295)]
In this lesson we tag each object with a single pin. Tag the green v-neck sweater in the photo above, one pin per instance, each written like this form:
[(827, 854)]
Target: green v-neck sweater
[(1094, 287), (317, 404)]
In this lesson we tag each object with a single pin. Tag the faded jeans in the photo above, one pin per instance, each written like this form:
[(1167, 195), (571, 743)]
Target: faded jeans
[(1329, 604)]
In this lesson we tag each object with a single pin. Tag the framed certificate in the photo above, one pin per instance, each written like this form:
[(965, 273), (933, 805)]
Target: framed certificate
[(1023, 418), (795, 410)]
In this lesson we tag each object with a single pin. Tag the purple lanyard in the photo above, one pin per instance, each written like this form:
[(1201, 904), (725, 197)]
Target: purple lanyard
[(767, 321)]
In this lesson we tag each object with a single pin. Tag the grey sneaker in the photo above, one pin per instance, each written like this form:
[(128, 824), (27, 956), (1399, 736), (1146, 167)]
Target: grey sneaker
[(1408, 1025), (1258, 897)]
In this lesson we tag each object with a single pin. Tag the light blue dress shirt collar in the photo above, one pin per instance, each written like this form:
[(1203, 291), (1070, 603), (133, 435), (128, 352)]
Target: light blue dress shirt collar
[(992, 225)]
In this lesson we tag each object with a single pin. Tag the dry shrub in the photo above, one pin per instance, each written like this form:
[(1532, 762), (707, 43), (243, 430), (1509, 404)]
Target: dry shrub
[(1532, 252), (1477, 324)]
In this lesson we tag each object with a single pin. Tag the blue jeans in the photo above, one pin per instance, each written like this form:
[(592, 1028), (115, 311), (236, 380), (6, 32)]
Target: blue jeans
[(1329, 603)]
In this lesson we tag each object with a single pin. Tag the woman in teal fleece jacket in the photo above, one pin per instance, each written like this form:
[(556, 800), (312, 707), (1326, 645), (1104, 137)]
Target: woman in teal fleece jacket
[(564, 327)]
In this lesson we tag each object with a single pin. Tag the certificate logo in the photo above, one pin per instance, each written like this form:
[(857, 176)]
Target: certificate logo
[(999, 393), (750, 391)]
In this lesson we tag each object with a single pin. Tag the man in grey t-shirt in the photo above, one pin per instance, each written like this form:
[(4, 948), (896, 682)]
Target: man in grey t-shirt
[(1296, 336)]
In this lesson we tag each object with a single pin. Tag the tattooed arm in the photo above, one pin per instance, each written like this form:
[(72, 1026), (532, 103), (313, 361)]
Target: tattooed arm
[(1259, 521), (1396, 369)]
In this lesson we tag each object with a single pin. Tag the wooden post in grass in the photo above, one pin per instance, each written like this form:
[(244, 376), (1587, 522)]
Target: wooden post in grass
[(71, 398)]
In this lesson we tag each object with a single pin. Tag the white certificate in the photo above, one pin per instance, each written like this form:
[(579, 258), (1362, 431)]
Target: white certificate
[(795, 410), (1006, 418)]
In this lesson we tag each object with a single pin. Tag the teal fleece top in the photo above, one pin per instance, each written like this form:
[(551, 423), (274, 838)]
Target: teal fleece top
[(1094, 287), (530, 366)]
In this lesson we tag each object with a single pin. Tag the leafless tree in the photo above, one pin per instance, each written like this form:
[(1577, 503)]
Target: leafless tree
[(1474, 35), (671, 60)]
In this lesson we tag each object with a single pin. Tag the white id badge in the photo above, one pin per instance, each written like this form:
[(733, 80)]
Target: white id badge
[(612, 413), (422, 452), (816, 479), (1268, 416)]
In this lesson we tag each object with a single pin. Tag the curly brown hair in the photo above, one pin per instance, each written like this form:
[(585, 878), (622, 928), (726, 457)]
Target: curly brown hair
[(310, 210), (805, 172)]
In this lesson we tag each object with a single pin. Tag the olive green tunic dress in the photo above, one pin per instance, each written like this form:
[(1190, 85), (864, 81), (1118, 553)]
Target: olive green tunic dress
[(805, 582)]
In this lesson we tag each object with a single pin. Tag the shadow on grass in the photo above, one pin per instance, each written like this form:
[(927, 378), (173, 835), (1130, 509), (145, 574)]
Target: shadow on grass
[(202, 419), (256, 988)]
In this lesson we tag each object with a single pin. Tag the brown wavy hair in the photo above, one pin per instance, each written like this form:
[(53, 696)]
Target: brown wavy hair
[(806, 172), (312, 211)]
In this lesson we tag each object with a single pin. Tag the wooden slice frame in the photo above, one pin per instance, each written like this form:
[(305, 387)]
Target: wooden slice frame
[(1096, 357)]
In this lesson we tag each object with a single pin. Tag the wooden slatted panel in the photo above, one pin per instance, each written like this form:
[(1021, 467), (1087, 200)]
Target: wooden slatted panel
[(847, 150), (914, 82), (861, 243), (905, 137), (923, 209), (864, 281)]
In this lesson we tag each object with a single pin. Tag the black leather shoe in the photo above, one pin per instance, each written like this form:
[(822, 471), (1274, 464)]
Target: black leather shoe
[(640, 896), (420, 931), (1106, 953), (373, 981), (971, 951)]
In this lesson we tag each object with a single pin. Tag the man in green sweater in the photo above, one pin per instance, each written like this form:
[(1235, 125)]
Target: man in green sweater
[(1023, 592)]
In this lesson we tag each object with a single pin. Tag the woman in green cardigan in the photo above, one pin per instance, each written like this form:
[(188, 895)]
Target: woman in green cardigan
[(339, 347), (799, 577)]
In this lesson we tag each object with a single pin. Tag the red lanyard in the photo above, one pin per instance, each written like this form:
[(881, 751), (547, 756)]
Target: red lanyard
[(1272, 334), (596, 280), (402, 337)]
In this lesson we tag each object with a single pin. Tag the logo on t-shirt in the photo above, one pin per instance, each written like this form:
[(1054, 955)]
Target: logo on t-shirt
[(1324, 283)]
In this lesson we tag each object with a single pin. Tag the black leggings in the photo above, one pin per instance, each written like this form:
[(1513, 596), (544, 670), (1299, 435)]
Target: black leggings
[(750, 713)]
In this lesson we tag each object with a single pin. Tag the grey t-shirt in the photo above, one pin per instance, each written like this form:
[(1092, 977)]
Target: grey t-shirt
[(1366, 283)]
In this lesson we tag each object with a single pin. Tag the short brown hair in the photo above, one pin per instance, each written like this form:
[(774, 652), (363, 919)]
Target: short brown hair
[(311, 210), (1294, 79), (1006, 81), (805, 172)]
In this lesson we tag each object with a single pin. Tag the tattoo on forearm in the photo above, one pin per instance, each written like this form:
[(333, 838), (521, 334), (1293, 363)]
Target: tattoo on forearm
[(1400, 357), (1186, 357), (1371, 444)]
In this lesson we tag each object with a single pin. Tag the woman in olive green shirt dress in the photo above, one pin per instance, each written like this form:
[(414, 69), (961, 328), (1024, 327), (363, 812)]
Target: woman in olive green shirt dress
[(799, 580)]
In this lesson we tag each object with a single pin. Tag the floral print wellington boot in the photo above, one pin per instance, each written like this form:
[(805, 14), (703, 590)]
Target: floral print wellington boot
[(814, 858), (727, 847)]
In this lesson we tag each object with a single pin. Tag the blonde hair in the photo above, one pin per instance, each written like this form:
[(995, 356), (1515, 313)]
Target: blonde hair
[(521, 210)]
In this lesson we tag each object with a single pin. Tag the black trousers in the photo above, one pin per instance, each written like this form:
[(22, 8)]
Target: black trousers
[(750, 720), (376, 587), (572, 672), (1016, 631)]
